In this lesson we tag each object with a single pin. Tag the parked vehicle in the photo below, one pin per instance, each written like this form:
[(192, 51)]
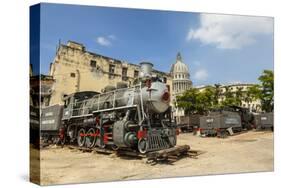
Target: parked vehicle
[(51, 123), (189, 122), (264, 121), (217, 123), (136, 118)]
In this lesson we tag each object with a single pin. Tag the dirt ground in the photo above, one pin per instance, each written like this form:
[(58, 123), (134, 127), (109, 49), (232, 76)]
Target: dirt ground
[(247, 152)]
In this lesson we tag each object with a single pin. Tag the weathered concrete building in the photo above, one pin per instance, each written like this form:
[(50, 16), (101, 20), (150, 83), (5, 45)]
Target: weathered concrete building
[(41, 88), (76, 69)]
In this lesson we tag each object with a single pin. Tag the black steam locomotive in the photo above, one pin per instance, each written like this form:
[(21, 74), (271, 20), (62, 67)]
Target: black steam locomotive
[(138, 117)]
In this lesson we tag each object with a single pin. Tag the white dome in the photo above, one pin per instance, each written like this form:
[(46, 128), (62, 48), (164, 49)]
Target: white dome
[(179, 69), (181, 77)]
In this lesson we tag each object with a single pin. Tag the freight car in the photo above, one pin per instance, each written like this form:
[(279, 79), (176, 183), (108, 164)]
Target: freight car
[(264, 121), (34, 112), (34, 125), (51, 123), (217, 123), (136, 118), (247, 118), (189, 122)]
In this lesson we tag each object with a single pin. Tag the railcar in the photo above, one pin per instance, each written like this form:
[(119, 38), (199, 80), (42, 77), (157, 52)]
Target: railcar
[(264, 121), (189, 123), (217, 123), (50, 123)]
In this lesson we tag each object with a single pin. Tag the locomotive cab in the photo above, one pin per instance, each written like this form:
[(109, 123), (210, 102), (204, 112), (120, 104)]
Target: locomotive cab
[(74, 102)]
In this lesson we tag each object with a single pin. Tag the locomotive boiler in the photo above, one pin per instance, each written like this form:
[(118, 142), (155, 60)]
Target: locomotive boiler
[(136, 118)]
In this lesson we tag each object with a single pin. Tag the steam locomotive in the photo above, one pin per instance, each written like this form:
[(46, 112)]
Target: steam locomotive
[(137, 118)]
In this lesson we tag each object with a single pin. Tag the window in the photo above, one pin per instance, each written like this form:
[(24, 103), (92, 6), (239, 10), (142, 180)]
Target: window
[(93, 64), (111, 71), (72, 75), (136, 74), (124, 73)]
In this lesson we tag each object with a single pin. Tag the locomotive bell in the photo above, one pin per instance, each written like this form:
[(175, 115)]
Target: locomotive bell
[(145, 69)]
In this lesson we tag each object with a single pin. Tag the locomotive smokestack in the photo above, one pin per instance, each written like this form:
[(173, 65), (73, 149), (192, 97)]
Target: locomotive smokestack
[(146, 69)]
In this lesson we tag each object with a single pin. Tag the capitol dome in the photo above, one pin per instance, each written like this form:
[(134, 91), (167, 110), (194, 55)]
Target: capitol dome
[(180, 74), (179, 66)]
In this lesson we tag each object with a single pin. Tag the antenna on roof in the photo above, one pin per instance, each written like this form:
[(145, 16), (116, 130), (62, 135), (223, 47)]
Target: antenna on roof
[(57, 47)]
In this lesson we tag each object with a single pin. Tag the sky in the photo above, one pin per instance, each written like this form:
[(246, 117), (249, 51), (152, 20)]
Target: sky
[(216, 48)]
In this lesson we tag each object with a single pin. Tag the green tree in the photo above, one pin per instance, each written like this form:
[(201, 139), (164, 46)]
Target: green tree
[(217, 95), (205, 100), (229, 97), (253, 93), (267, 90), (238, 96), (187, 100), (193, 101)]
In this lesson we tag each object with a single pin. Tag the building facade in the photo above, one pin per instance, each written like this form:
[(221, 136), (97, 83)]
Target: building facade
[(76, 69)]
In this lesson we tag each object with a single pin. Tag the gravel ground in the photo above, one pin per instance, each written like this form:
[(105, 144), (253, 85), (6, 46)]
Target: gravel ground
[(247, 152)]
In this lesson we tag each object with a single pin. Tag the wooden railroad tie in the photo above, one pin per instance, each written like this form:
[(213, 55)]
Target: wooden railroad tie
[(169, 155)]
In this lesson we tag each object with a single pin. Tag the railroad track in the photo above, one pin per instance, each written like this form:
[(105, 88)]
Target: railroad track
[(169, 155)]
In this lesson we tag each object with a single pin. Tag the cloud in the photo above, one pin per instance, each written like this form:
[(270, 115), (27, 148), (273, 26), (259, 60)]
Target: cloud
[(235, 82), (201, 75), (104, 41), (112, 37), (230, 32)]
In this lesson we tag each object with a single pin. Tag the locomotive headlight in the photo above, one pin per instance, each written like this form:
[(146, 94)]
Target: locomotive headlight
[(166, 96)]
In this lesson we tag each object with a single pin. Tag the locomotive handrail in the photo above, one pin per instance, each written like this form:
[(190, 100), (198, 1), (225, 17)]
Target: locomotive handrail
[(85, 107), (114, 96), (98, 102), (116, 108), (142, 109)]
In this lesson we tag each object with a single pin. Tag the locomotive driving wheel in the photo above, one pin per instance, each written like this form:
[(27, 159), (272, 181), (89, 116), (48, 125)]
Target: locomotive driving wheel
[(98, 140), (81, 137), (91, 138), (142, 145)]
